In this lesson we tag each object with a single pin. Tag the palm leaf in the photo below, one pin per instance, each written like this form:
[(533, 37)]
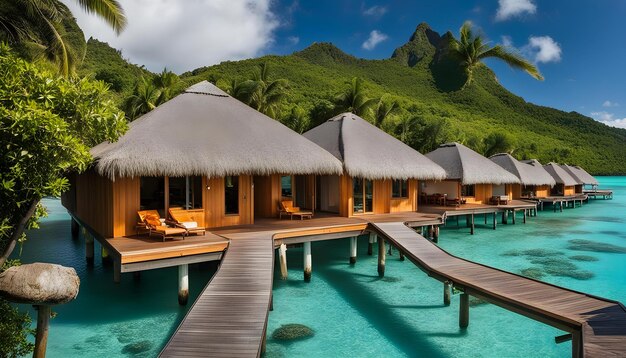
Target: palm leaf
[(512, 59), (109, 10)]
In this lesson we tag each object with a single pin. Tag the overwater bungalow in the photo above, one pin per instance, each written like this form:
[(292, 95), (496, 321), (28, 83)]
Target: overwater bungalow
[(535, 182), (380, 172), (470, 177), (583, 178), (566, 185)]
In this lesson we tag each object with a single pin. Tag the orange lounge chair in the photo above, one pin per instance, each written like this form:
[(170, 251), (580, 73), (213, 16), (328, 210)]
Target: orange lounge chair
[(187, 220), (151, 221), (285, 207)]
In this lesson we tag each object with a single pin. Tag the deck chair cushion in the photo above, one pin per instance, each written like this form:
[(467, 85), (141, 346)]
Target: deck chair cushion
[(152, 220)]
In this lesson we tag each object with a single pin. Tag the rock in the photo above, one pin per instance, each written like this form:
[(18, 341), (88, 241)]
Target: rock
[(292, 332), (137, 347), (587, 245), (533, 272), (584, 258), (39, 284)]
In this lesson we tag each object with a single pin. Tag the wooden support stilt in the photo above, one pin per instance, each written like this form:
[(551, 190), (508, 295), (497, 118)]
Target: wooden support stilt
[(464, 311), (381, 257), (577, 347), (495, 221), (43, 324), (524, 216), (436, 234), (117, 272), (467, 220), (431, 231), (370, 244), (447, 292), (183, 284), (282, 255), (485, 215), (271, 302), (401, 255), (89, 248), (137, 276), (457, 221), (472, 224), (308, 262), (75, 228), (514, 215), (390, 250), (106, 258), (505, 217), (561, 206), (264, 342)]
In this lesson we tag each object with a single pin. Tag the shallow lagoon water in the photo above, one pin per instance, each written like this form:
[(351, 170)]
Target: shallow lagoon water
[(351, 311)]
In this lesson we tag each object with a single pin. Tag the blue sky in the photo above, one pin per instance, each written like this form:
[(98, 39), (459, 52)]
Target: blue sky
[(579, 46)]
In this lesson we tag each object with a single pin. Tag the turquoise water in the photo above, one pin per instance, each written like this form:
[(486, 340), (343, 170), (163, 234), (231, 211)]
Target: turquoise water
[(354, 313), (351, 310), (133, 318)]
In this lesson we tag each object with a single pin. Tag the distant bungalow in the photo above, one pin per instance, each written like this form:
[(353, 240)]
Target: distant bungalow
[(535, 182), (470, 177), (580, 175), (381, 173), (566, 185)]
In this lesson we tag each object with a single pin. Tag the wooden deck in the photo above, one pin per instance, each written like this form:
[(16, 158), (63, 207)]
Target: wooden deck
[(599, 193), (598, 325), (230, 316), (468, 209)]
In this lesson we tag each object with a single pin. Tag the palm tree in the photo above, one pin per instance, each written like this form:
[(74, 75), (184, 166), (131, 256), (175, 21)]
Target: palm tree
[(497, 142), (241, 90), (41, 27), (471, 49), (143, 100), (164, 83), (354, 100), (268, 94), (384, 109), (298, 120)]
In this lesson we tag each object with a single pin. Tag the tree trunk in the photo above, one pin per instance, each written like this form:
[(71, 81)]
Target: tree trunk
[(17, 233)]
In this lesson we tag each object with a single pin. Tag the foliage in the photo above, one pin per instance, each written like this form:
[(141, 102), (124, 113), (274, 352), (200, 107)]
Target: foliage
[(268, 94), (317, 73), (147, 95), (47, 125), (14, 331), (383, 110), (298, 120), (47, 29), (471, 49), (497, 142), (353, 99)]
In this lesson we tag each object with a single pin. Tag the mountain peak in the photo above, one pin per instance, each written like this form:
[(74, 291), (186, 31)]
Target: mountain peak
[(422, 43), (324, 52)]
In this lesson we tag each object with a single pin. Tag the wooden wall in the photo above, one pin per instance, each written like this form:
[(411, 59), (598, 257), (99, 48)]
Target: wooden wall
[(126, 203), (569, 190), (482, 195), (215, 208), (267, 193), (514, 191), (94, 202), (542, 191), (406, 204)]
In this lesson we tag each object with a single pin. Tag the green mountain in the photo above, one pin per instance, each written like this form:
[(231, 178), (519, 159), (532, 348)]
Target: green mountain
[(427, 84)]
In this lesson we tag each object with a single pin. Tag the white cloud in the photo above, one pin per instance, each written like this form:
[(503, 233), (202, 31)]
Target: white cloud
[(542, 49), (511, 8), (608, 103), (507, 41), (293, 40), (184, 35), (375, 11), (375, 38), (608, 119)]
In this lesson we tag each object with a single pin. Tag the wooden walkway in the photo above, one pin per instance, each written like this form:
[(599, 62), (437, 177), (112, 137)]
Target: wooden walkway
[(230, 316), (599, 193), (597, 325)]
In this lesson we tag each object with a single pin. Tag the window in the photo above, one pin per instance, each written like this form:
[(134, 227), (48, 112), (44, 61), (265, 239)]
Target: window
[(286, 187), (231, 194), (468, 190), (185, 192), (363, 196), (152, 194), (400, 189)]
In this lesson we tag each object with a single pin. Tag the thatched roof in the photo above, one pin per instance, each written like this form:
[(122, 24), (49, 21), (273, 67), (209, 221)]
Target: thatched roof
[(527, 174), (560, 175), (580, 174), (368, 152), (204, 131), (464, 164)]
